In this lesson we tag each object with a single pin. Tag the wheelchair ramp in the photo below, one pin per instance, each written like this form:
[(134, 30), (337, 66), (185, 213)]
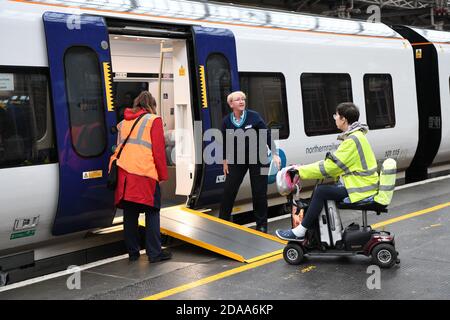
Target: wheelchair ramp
[(223, 237)]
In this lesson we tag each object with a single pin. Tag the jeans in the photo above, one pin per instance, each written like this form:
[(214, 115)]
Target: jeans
[(321, 194)]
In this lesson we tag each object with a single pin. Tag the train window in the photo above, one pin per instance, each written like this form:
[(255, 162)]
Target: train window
[(218, 77), (379, 101), (321, 93), (266, 94), (26, 128), (86, 104)]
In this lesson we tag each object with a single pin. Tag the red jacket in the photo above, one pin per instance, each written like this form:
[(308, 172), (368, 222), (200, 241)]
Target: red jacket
[(140, 189)]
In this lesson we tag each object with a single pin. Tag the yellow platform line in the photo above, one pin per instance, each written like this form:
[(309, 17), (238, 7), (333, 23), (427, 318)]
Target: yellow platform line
[(264, 256), (213, 278), (410, 215)]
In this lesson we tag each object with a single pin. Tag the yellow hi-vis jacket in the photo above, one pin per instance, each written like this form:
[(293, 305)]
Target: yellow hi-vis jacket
[(354, 161)]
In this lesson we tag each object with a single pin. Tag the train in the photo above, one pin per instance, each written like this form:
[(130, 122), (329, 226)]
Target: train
[(69, 68)]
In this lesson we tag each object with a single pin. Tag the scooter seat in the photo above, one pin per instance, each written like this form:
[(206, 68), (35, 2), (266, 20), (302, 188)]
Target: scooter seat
[(367, 206)]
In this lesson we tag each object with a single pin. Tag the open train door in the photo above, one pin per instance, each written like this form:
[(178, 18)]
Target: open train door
[(217, 76), (79, 62)]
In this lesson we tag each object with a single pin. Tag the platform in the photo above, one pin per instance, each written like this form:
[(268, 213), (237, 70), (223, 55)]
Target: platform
[(419, 216)]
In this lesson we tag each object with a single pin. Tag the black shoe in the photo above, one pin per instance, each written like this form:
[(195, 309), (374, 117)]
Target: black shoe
[(133, 257), (164, 255), (261, 229)]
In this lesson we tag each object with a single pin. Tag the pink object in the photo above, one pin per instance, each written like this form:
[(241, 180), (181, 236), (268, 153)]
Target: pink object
[(285, 184)]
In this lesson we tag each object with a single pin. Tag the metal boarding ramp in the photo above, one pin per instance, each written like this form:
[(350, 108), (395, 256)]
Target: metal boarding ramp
[(223, 237)]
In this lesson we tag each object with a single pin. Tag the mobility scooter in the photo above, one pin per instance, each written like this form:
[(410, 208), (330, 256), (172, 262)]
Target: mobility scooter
[(329, 238)]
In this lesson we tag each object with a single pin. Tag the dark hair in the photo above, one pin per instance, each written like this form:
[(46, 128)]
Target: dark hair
[(145, 101), (349, 111)]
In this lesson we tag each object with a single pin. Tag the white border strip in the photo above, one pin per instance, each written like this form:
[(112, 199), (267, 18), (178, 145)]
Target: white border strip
[(409, 185), (64, 272)]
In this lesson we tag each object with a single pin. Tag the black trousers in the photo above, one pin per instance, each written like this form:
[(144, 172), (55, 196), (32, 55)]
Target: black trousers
[(259, 191), (322, 193), (131, 213)]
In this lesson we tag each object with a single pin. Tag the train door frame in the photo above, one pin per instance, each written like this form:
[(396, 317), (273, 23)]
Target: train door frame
[(210, 41), (186, 171), (82, 164)]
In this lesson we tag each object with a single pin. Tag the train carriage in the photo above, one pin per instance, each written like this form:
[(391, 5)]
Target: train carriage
[(68, 68)]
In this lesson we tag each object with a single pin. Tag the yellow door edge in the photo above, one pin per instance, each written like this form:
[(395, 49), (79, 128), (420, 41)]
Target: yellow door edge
[(108, 86), (233, 225)]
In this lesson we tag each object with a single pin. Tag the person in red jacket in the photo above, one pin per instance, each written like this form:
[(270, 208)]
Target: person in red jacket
[(141, 167)]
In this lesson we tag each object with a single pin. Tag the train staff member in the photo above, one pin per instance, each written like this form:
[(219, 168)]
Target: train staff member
[(245, 119), (141, 167), (354, 162)]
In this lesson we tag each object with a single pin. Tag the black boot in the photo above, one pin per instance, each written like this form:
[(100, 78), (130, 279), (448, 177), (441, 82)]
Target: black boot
[(164, 255), (261, 229)]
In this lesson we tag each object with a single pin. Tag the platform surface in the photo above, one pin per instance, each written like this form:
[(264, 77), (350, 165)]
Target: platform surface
[(419, 216)]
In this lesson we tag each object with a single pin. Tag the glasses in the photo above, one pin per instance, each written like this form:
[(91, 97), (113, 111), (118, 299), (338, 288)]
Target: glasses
[(239, 99)]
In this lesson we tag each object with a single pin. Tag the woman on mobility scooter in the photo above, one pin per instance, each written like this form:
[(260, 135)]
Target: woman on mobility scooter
[(355, 165)]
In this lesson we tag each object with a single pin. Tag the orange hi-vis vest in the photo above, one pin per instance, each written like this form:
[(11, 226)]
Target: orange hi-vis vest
[(137, 154)]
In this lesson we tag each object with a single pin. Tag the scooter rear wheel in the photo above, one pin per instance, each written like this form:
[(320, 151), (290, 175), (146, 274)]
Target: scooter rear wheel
[(293, 253)]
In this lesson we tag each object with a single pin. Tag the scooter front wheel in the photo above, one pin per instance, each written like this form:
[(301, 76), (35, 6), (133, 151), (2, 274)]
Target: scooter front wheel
[(384, 255), (293, 253)]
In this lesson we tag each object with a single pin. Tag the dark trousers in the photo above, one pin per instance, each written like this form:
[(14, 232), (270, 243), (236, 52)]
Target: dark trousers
[(322, 193), (259, 191), (131, 213)]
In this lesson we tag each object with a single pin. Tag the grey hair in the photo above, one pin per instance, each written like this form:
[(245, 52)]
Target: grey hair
[(233, 94)]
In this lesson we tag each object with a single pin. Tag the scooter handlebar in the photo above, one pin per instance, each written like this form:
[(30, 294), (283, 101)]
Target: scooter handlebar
[(292, 172)]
